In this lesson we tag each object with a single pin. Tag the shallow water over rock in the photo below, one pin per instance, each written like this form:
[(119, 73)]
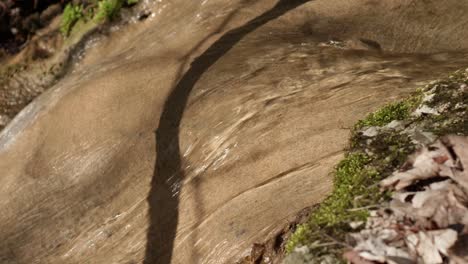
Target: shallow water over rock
[(189, 136)]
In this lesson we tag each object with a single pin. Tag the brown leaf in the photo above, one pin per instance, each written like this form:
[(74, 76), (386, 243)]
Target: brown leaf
[(459, 170), (423, 167), (458, 253)]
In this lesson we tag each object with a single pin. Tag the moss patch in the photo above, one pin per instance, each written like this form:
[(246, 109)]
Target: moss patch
[(97, 11), (449, 97), (352, 174), (439, 108), (108, 9), (71, 14), (393, 111)]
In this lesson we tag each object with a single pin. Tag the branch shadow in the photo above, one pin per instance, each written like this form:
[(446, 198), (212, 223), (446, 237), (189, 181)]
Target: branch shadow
[(163, 198)]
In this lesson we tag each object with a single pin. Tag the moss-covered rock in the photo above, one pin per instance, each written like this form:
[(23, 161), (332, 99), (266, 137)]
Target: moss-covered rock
[(379, 144), (91, 11)]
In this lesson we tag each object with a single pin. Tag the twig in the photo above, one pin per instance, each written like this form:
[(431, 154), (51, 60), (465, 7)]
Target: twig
[(336, 240), (363, 208), (323, 245)]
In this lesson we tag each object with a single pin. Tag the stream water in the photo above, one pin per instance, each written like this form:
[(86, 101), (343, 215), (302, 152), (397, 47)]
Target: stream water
[(189, 136)]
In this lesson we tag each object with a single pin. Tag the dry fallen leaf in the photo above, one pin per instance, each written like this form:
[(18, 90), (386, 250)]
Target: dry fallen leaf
[(459, 170), (423, 167), (428, 246)]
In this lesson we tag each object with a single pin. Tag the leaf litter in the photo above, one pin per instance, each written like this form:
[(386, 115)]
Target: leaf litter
[(426, 221)]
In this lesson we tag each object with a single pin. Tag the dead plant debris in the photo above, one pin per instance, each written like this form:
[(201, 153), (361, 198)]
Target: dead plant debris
[(426, 221)]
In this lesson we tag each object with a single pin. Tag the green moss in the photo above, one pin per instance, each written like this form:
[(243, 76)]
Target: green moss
[(351, 190), (300, 236), (108, 9), (71, 15), (350, 181), (393, 111), (452, 100), (98, 11)]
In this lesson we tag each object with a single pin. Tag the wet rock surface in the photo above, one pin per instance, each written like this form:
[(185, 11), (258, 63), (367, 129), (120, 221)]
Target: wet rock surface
[(200, 131)]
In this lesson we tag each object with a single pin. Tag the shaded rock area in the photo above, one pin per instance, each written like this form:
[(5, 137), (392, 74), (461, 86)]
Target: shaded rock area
[(32, 52), (28, 73), (426, 220), (31, 61), (19, 20)]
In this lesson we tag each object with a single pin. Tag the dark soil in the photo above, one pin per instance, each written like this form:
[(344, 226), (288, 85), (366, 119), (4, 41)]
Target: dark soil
[(20, 19), (272, 250)]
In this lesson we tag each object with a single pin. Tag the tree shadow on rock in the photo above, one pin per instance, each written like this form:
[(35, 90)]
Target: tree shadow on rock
[(163, 198)]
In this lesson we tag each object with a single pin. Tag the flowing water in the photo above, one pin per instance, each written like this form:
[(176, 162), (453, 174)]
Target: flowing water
[(189, 136)]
